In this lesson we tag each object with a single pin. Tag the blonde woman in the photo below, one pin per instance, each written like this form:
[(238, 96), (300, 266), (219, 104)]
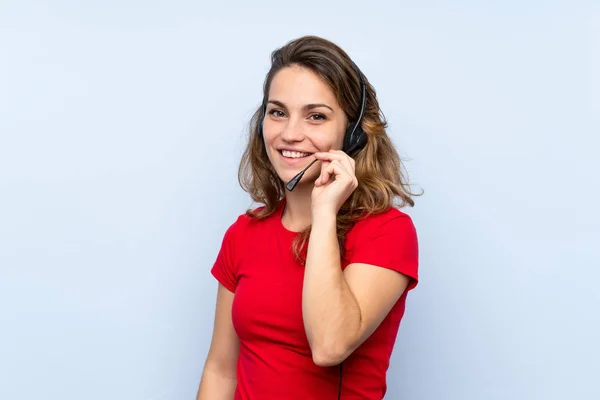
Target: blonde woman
[(313, 283)]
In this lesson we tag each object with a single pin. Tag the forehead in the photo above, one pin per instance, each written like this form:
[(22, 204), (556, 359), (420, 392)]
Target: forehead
[(297, 86)]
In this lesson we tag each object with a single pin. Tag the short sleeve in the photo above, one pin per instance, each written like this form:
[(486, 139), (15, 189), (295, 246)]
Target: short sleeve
[(387, 242), (224, 268)]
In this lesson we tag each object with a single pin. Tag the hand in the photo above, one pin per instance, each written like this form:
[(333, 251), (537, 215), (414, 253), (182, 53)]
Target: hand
[(336, 182)]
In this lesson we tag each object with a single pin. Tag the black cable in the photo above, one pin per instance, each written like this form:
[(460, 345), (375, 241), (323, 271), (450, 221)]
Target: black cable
[(340, 386)]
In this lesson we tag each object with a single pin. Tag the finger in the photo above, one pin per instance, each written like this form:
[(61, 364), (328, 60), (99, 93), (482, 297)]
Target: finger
[(322, 174), (329, 171), (329, 155), (347, 162), (347, 157), (344, 158), (326, 172), (334, 169)]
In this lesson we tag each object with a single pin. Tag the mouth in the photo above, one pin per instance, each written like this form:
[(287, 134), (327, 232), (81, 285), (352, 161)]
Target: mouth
[(293, 154)]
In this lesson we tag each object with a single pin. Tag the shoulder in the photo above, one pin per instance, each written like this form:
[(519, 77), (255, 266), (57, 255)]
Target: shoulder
[(391, 219), (244, 222), (241, 223), (388, 240), (391, 230)]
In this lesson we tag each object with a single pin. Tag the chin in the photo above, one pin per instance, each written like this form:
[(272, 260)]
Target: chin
[(286, 177)]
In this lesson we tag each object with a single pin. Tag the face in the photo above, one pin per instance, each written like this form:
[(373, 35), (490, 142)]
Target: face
[(302, 117)]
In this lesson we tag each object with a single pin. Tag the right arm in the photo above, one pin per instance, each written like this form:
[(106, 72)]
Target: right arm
[(219, 377)]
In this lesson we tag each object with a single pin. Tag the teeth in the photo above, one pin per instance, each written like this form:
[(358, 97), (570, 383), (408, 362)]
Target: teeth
[(294, 154)]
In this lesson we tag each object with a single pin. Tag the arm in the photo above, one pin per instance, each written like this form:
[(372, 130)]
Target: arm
[(219, 377), (340, 309)]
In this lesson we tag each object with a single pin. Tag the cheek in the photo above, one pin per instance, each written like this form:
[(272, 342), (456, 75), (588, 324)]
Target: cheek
[(269, 132), (340, 141), (338, 137), (333, 140), (268, 142)]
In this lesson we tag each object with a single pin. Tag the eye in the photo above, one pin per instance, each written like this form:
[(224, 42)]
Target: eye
[(318, 117), (276, 113)]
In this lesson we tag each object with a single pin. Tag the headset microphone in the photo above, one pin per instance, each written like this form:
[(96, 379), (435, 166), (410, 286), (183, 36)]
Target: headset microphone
[(294, 181)]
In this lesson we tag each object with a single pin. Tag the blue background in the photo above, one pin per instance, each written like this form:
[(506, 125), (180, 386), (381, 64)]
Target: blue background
[(121, 128)]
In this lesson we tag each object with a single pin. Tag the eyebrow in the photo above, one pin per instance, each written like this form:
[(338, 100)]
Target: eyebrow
[(305, 108)]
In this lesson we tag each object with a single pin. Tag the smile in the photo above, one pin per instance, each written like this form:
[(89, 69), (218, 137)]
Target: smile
[(294, 154)]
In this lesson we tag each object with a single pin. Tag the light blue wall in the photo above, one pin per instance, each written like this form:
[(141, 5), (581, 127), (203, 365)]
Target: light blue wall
[(121, 125)]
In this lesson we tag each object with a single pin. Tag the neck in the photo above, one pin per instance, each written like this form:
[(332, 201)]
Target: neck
[(297, 214)]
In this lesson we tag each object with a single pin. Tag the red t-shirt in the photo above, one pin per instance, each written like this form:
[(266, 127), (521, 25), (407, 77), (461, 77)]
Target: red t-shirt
[(256, 263)]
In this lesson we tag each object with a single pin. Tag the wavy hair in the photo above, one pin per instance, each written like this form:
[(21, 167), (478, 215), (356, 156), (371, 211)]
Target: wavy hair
[(382, 182)]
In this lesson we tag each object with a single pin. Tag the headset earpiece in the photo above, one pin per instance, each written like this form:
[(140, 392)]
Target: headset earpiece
[(261, 120), (353, 142), (355, 138)]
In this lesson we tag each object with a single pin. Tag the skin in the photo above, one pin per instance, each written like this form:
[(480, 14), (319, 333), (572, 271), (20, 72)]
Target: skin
[(339, 308)]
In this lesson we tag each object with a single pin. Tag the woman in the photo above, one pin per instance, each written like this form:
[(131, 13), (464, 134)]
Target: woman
[(313, 284)]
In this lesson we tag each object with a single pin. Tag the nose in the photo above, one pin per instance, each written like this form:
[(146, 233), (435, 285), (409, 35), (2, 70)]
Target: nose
[(292, 132)]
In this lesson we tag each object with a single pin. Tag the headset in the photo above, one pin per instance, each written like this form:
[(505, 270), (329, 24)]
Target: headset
[(355, 137)]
